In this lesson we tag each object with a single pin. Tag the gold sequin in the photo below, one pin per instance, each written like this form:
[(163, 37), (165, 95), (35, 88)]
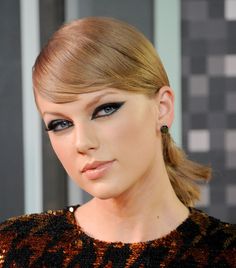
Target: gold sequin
[(36, 233), (1, 258), (71, 209), (79, 243)]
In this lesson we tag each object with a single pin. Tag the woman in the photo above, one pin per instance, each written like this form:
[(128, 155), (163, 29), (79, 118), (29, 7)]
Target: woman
[(105, 99)]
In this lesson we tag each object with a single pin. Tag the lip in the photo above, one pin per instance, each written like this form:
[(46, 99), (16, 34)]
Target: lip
[(96, 169)]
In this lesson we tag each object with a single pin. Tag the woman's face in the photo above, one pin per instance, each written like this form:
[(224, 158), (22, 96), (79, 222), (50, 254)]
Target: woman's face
[(113, 130)]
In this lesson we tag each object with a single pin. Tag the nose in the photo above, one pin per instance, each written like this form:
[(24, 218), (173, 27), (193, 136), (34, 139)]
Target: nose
[(85, 138)]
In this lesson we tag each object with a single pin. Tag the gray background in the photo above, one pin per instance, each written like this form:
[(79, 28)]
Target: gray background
[(208, 96), (11, 153)]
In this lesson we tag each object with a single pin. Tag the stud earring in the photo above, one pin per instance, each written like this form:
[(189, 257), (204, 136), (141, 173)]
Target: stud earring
[(164, 129)]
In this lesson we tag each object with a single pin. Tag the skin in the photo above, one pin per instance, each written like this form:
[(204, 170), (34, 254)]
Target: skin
[(135, 193)]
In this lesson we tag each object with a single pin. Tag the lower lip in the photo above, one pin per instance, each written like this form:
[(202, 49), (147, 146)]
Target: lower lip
[(98, 172)]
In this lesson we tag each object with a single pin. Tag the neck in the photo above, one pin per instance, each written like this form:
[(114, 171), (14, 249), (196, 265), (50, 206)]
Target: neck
[(138, 201), (141, 214)]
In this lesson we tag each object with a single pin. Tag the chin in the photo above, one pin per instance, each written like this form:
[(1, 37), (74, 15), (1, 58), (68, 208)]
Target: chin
[(105, 193)]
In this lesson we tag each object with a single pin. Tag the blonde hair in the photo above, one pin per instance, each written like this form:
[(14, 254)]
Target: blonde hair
[(95, 53)]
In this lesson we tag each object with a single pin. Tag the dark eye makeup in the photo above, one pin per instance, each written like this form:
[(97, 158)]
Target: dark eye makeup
[(58, 125), (106, 109), (103, 110)]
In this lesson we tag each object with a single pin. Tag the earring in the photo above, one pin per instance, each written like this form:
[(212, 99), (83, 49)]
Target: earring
[(164, 129)]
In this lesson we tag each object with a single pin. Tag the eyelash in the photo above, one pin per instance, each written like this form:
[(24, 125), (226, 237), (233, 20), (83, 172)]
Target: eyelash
[(64, 124)]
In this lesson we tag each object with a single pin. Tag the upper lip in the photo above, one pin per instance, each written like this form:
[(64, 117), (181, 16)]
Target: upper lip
[(94, 165)]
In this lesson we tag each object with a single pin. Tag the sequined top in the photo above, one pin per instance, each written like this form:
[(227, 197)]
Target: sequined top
[(53, 239)]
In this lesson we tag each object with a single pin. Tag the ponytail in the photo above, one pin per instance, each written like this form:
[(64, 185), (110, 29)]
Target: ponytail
[(183, 173)]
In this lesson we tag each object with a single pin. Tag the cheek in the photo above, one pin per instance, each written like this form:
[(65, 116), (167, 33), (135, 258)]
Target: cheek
[(131, 137), (62, 149)]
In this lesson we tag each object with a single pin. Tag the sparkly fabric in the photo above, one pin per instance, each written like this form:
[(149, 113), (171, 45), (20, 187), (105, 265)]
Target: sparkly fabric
[(53, 239)]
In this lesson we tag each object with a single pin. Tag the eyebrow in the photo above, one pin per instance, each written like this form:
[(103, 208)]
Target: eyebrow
[(88, 105), (97, 99)]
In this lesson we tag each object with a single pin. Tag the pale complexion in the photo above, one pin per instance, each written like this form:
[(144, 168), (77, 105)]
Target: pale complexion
[(134, 200)]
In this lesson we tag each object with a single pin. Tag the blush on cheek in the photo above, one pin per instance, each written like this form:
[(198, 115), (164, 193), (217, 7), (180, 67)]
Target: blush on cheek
[(135, 126), (124, 131), (129, 134)]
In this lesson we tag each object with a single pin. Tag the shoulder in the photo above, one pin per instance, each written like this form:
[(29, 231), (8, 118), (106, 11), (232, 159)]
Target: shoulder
[(26, 223), (213, 239), (207, 240), (32, 229), (213, 232)]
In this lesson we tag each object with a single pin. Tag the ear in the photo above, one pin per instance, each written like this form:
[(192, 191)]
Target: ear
[(165, 104)]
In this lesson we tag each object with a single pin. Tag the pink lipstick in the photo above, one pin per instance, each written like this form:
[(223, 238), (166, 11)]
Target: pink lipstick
[(96, 169)]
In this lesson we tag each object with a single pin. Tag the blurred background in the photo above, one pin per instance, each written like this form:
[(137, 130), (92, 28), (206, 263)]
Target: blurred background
[(196, 40)]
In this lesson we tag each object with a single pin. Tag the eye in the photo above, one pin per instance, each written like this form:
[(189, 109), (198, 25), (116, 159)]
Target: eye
[(106, 109), (58, 125)]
